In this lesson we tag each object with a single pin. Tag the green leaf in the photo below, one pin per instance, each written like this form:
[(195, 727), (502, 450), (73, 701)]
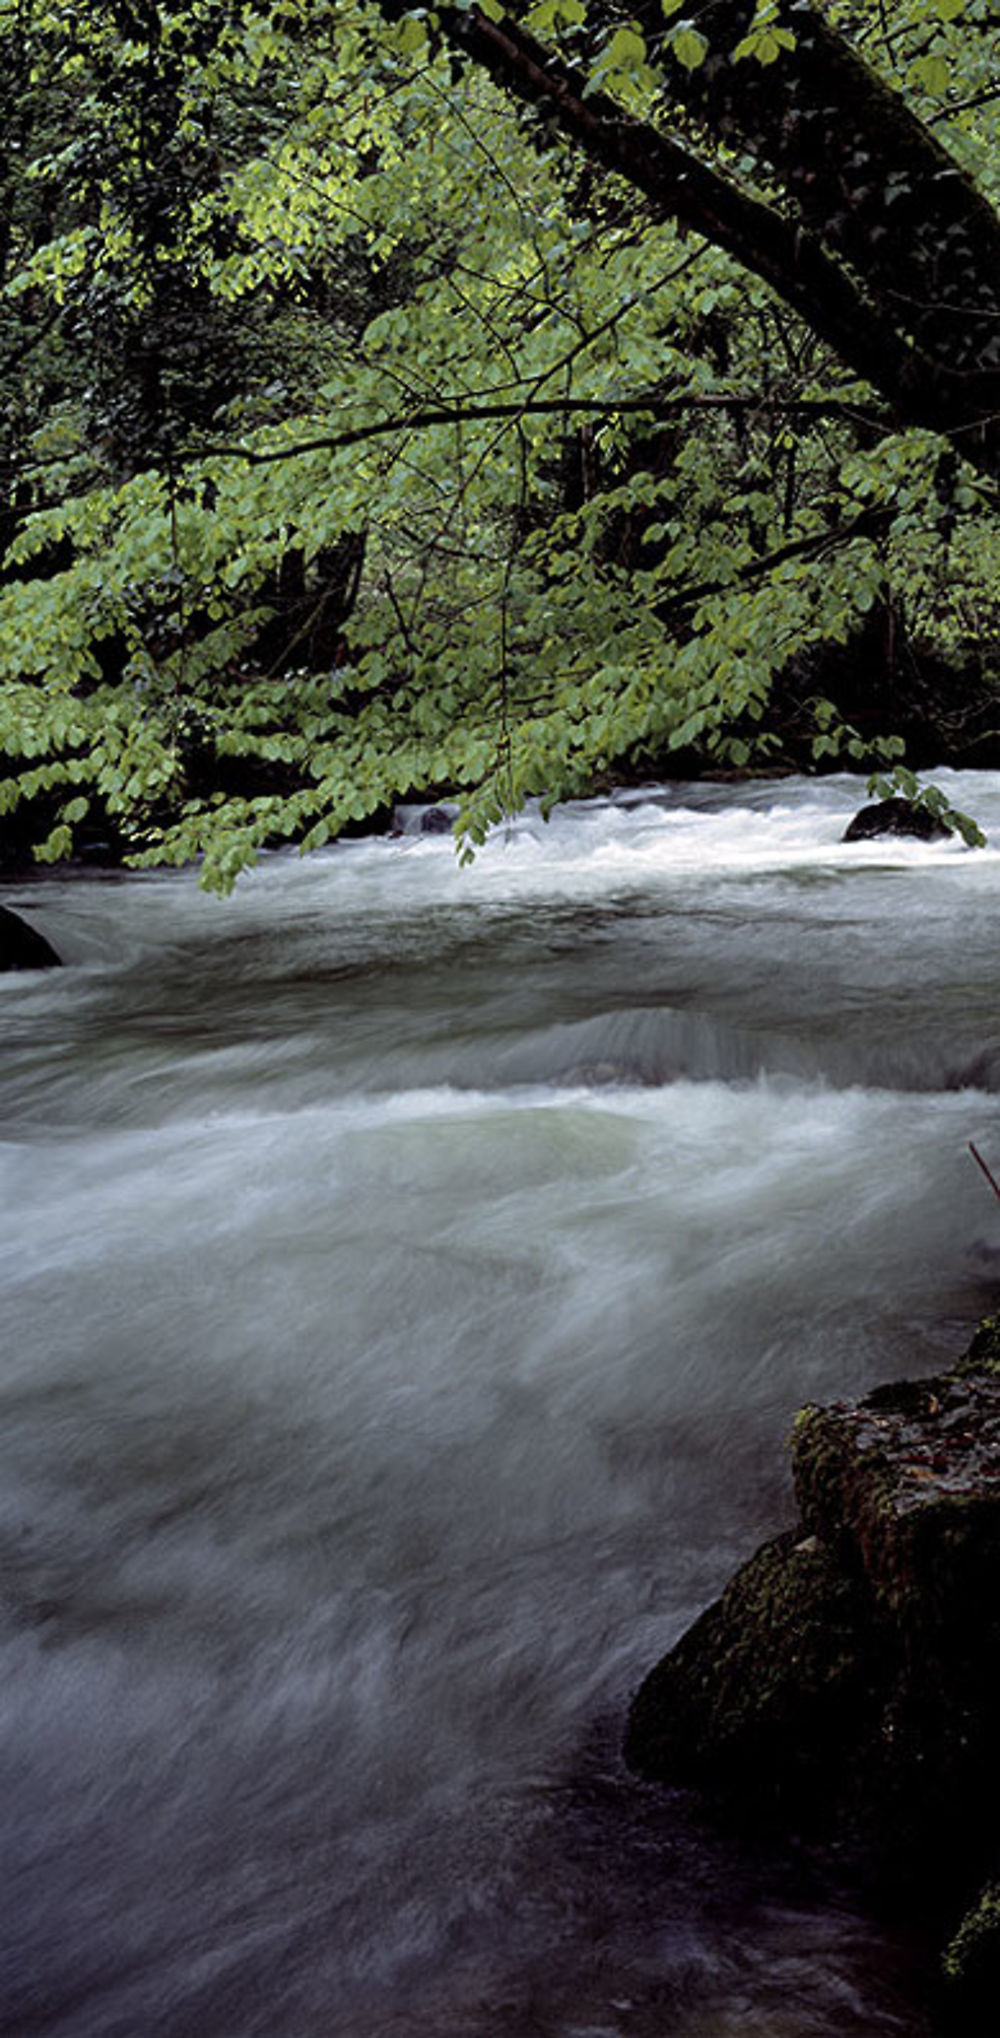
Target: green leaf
[(55, 846), (625, 49), (690, 47), (969, 830), (411, 34), (931, 74), (765, 44)]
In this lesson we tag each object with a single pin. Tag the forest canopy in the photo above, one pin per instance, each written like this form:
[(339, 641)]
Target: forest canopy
[(485, 401)]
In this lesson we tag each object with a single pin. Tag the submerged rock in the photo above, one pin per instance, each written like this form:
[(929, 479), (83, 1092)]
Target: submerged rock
[(849, 1674), (895, 817), (21, 946)]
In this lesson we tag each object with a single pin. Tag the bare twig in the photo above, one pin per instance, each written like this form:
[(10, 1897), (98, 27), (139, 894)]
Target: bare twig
[(990, 1177)]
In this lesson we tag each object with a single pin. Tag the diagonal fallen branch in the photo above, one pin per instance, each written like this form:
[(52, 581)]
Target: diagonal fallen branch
[(990, 1176)]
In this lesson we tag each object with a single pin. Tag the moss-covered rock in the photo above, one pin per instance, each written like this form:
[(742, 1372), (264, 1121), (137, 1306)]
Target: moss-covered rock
[(905, 1486), (765, 1694), (849, 1673), (983, 1355)]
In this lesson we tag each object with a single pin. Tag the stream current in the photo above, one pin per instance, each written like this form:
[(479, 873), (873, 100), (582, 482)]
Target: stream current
[(409, 1278)]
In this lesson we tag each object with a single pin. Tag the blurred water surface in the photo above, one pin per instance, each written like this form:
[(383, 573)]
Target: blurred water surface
[(409, 1279)]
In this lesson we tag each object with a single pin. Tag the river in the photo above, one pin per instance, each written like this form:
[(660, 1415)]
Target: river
[(410, 1275)]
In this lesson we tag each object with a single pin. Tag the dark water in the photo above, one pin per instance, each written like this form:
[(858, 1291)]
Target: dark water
[(409, 1279)]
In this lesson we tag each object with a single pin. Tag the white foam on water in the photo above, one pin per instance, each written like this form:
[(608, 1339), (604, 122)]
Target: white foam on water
[(410, 1276)]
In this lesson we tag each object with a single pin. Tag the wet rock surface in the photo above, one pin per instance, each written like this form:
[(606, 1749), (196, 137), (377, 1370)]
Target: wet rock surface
[(848, 1678), (21, 946), (895, 817), (436, 821), (758, 1696)]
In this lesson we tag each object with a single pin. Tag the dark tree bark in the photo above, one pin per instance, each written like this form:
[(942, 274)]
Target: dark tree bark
[(883, 245), (865, 174)]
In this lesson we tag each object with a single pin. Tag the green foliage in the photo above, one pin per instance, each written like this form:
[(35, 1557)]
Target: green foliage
[(689, 46), (973, 1952), (767, 36), (360, 445), (904, 783)]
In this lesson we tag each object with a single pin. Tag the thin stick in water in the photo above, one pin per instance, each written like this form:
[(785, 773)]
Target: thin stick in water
[(990, 1176)]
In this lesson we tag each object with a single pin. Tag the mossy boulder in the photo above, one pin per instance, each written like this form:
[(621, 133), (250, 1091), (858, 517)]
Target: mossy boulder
[(763, 1697), (848, 1677), (905, 1489)]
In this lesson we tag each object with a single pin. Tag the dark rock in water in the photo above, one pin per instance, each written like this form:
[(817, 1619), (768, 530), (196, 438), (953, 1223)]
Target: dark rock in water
[(849, 1675), (21, 947), (435, 822), (760, 1697), (895, 817)]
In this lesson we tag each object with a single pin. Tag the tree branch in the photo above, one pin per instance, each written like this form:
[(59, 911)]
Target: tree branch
[(846, 295), (866, 524), (461, 411), (680, 186)]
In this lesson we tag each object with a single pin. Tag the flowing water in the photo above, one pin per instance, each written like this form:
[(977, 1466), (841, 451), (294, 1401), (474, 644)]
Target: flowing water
[(410, 1276)]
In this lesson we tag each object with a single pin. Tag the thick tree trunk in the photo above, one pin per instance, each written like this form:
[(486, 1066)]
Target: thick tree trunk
[(866, 176), (888, 252)]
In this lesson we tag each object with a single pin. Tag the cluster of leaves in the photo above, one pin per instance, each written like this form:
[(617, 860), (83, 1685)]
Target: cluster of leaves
[(361, 442)]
